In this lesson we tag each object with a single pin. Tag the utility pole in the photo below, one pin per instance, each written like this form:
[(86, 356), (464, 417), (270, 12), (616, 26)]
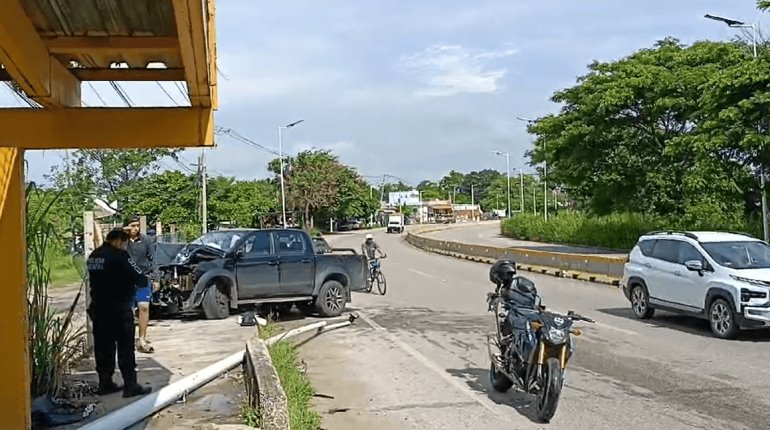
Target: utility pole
[(204, 202)]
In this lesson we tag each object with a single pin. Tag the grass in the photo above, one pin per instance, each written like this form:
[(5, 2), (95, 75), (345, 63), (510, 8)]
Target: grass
[(299, 391), (64, 269), (617, 231)]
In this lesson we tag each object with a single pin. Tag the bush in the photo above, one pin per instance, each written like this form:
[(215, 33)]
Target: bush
[(617, 231)]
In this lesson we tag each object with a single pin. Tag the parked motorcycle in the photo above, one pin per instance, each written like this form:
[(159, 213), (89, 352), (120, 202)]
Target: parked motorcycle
[(532, 346)]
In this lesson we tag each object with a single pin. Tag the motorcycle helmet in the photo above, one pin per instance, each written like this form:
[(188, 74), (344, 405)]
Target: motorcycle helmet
[(524, 285), (502, 272)]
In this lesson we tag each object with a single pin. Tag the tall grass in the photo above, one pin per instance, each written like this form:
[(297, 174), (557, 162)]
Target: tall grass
[(617, 231), (53, 340)]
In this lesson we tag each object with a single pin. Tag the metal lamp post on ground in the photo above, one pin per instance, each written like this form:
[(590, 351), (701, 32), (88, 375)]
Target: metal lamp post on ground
[(280, 161), (740, 24)]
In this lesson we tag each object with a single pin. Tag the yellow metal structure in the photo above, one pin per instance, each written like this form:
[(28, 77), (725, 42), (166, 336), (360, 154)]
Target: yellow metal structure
[(48, 49)]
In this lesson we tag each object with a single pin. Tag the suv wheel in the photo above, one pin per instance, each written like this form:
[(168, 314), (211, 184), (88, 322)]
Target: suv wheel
[(722, 319), (640, 303)]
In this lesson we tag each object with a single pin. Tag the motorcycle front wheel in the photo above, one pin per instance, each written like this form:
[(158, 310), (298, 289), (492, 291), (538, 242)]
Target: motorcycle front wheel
[(550, 390)]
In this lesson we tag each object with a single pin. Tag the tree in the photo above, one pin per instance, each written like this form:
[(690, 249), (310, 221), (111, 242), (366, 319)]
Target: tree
[(103, 173), (313, 181), (613, 143)]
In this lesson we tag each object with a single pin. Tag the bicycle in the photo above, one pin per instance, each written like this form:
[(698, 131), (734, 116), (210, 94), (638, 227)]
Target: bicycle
[(375, 274)]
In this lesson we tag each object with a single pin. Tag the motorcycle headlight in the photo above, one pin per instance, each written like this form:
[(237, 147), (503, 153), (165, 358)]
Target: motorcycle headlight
[(556, 335)]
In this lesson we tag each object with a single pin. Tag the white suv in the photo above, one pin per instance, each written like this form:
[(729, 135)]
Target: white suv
[(723, 277)]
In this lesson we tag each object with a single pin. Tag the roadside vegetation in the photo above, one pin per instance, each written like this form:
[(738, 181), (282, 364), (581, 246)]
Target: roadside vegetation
[(618, 231), (54, 341), (296, 385)]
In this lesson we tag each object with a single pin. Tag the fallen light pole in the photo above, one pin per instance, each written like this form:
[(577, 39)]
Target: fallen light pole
[(154, 402)]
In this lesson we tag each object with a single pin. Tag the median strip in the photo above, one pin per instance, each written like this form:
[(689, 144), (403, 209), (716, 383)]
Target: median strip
[(591, 268)]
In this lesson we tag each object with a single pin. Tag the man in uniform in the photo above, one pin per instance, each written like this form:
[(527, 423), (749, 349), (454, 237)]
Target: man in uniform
[(113, 277), (141, 250)]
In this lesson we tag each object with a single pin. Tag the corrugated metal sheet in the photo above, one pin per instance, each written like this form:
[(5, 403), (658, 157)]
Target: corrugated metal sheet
[(101, 17), (95, 18)]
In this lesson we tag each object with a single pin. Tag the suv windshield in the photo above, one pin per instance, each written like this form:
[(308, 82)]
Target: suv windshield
[(223, 240), (740, 255)]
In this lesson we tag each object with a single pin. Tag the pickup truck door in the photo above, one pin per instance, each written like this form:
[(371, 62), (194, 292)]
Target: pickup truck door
[(296, 258), (256, 267)]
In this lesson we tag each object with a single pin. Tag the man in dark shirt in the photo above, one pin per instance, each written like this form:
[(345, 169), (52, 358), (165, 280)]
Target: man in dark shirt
[(142, 251), (113, 277)]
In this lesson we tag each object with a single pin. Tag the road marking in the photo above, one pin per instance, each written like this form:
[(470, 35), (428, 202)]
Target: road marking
[(427, 275), (486, 404), (601, 324)]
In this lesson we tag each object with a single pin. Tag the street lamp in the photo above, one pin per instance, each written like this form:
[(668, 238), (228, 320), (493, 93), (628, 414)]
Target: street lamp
[(545, 172), (521, 191), (280, 160), (740, 24), (508, 174)]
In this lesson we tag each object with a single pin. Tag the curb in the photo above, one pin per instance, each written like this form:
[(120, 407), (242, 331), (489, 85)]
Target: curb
[(263, 387)]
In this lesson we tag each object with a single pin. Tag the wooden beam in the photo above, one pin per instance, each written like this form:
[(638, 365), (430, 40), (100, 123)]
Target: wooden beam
[(114, 128), (89, 74), (212, 41), (191, 28), (14, 361), (110, 44), (26, 58)]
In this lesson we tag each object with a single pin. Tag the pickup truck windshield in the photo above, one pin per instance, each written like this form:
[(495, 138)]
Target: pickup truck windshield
[(223, 240), (740, 255)]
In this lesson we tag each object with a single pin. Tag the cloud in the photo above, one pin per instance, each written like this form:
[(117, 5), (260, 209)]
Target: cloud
[(446, 70)]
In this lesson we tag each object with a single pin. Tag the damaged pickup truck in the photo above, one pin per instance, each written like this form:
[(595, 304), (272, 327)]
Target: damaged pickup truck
[(224, 269)]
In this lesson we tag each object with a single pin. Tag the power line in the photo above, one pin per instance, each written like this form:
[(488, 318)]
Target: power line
[(235, 135), (181, 90), (96, 92), (122, 93), (173, 100)]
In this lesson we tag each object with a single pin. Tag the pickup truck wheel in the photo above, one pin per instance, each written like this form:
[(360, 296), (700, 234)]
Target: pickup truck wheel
[(331, 299), (216, 304)]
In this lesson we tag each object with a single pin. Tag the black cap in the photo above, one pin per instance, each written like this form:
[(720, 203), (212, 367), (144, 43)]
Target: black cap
[(116, 234), (133, 218)]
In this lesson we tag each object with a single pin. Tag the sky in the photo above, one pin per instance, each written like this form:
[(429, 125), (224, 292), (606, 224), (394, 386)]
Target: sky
[(411, 89)]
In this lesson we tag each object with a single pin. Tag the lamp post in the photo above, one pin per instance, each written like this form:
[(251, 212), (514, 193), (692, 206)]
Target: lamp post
[(740, 24), (521, 188), (508, 174), (545, 172), (280, 160)]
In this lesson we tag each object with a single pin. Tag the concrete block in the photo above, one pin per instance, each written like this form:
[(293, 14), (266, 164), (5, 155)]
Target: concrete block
[(263, 387)]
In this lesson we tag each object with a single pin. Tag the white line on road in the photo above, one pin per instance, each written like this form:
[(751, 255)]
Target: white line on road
[(603, 325), (427, 275), (486, 404)]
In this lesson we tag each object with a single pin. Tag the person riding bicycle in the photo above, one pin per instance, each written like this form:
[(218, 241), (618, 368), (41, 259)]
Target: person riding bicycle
[(370, 249)]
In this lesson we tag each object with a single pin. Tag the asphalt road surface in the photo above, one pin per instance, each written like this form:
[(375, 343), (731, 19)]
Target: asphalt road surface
[(417, 359), (488, 233)]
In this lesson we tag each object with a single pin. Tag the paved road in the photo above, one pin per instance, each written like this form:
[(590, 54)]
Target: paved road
[(419, 361), (488, 233)]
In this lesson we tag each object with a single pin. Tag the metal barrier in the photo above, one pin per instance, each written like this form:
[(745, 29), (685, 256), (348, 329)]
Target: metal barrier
[(611, 267)]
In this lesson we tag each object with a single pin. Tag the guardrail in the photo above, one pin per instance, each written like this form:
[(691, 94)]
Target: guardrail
[(593, 268)]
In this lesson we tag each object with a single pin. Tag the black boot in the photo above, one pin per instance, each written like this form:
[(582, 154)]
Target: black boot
[(107, 386), (132, 388)]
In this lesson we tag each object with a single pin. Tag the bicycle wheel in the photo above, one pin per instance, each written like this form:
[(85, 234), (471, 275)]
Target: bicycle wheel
[(382, 284)]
